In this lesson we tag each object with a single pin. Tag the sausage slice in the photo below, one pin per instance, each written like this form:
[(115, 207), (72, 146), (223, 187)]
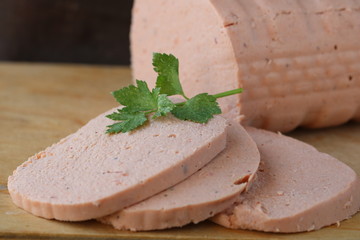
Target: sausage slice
[(90, 174), (206, 193), (297, 189)]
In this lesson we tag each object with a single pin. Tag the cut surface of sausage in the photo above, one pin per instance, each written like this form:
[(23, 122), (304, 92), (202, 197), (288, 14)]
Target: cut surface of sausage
[(207, 192), (297, 189), (91, 174)]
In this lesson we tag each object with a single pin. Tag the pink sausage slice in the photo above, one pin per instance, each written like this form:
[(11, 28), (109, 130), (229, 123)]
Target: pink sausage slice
[(90, 174), (206, 193), (297, 189)]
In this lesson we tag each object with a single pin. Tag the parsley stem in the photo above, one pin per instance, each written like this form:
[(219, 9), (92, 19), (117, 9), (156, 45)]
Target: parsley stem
[(228, 93), (150, 111), (185, 97), (180, 103), (219, 95)]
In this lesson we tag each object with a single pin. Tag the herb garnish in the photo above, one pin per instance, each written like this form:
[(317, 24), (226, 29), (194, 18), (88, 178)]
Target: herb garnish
[(139, 101)]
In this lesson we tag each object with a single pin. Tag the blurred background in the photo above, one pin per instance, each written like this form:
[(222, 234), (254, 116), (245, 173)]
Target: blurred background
[(71, 31)]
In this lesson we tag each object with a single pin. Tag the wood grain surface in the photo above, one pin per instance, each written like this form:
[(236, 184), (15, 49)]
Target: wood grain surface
[(42, 103)]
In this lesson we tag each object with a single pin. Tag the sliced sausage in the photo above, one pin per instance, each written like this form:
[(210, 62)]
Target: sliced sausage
[(297, 189), (206, 193), (91, 174)]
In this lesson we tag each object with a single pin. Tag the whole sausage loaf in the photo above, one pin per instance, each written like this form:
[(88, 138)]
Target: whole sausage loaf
[(298, 61)]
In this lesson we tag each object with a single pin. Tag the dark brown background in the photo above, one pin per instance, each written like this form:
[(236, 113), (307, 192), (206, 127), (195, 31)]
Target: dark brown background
[(78, 31)]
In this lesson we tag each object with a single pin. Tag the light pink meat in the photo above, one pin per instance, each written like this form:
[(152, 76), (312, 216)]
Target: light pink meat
[(298, 61), (204, 194), (90, 174), (297, 189)]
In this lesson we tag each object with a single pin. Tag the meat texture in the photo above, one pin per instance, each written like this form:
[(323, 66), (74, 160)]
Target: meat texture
[(204, 194), (91, 174), (297, 189), (298, 61)]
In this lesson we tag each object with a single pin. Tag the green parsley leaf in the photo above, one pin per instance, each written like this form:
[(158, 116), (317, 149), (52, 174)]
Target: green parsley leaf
[(137, 98), (167, 67), (139, 102), (200, 108), (165, 105), (129, 121)]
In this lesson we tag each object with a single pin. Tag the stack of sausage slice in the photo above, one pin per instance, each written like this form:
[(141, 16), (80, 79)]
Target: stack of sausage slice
[(172, 172)]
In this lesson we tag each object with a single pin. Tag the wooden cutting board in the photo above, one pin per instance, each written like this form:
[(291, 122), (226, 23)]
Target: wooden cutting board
[(42, 103)]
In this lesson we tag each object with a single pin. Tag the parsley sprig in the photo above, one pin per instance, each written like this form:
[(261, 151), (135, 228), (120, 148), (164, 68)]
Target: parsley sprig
[(139, 102)]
